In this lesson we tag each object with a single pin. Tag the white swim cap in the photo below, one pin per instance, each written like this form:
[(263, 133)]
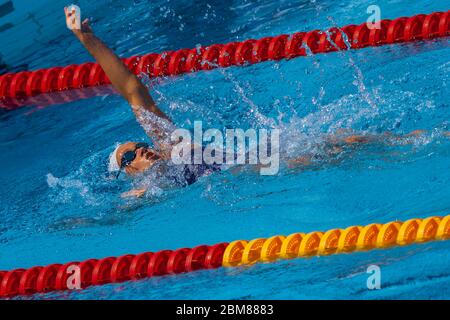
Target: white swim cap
[(113, 165)]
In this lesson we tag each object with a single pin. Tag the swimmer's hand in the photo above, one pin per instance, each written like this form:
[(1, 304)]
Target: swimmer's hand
[(85, 27), (137, 193)]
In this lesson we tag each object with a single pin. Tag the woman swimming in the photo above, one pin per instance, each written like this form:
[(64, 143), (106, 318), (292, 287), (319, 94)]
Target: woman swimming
[(134, 158)]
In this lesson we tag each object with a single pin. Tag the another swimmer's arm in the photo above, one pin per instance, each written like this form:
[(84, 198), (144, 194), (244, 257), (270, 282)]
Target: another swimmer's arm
[(123, 80), (134, 193)]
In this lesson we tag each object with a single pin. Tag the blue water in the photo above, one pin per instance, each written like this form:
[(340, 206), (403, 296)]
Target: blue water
[(58, 203)]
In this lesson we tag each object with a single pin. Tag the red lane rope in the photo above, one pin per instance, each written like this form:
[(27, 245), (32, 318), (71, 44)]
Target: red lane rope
[(111, 270), (404, 29), (57, 97)]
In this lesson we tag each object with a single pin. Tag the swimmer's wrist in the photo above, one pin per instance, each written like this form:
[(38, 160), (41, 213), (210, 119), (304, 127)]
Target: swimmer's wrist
[(77, 33), (83, 37)]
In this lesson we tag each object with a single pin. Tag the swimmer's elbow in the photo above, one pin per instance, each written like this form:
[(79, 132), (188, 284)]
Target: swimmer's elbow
[(135, 92), (138, 96)]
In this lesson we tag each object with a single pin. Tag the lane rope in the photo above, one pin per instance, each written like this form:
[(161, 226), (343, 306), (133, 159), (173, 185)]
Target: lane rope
[(55, 277), (403, 29)]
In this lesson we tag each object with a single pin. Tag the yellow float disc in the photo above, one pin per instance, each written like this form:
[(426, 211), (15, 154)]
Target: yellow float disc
[(347, 240), (252, 251), (271, 248), (233, 253), (408, 231), (310, 244), (368, 237), (290, 246), (444, 229), (329, 242), (428, 229), (388, 234)]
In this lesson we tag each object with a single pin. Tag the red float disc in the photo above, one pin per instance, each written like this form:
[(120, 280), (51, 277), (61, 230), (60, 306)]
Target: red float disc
[(430, 27), (46, 280), (120, 270), (226, 56), (293, 45), (17, 87), (65, 78), (177, 260), (139, 265), (361, 36), (86, 269), (145, 65), (10, 282), (81, 75), (344, 38), (28, 280), (214, 256), (260, 48), (5, 81), (444, 24), (102, 271), (195, 259), (378, 36), (211, 56), (413, 27), (194, 59), (97, 76), (395, 31), (33, 85), (244, 52), (158, 263), (276, 49), (324, 44), (49, 80), (161, 64), (177, 63)]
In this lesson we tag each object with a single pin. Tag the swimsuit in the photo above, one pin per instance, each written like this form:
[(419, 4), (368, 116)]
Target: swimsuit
[(192, 172)]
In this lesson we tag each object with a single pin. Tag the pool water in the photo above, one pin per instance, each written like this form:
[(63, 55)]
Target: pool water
[(59, 203)]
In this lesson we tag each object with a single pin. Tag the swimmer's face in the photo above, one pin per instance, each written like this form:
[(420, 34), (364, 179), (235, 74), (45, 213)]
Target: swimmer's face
[(144, 158)]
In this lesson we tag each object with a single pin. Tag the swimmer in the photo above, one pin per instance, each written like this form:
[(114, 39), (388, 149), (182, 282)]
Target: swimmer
[(134, 158)]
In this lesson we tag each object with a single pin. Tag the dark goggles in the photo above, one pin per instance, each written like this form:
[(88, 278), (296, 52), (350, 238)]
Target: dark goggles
[(129, 156)]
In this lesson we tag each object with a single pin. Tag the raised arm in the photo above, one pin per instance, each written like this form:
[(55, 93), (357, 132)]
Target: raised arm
[(123, 80)]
